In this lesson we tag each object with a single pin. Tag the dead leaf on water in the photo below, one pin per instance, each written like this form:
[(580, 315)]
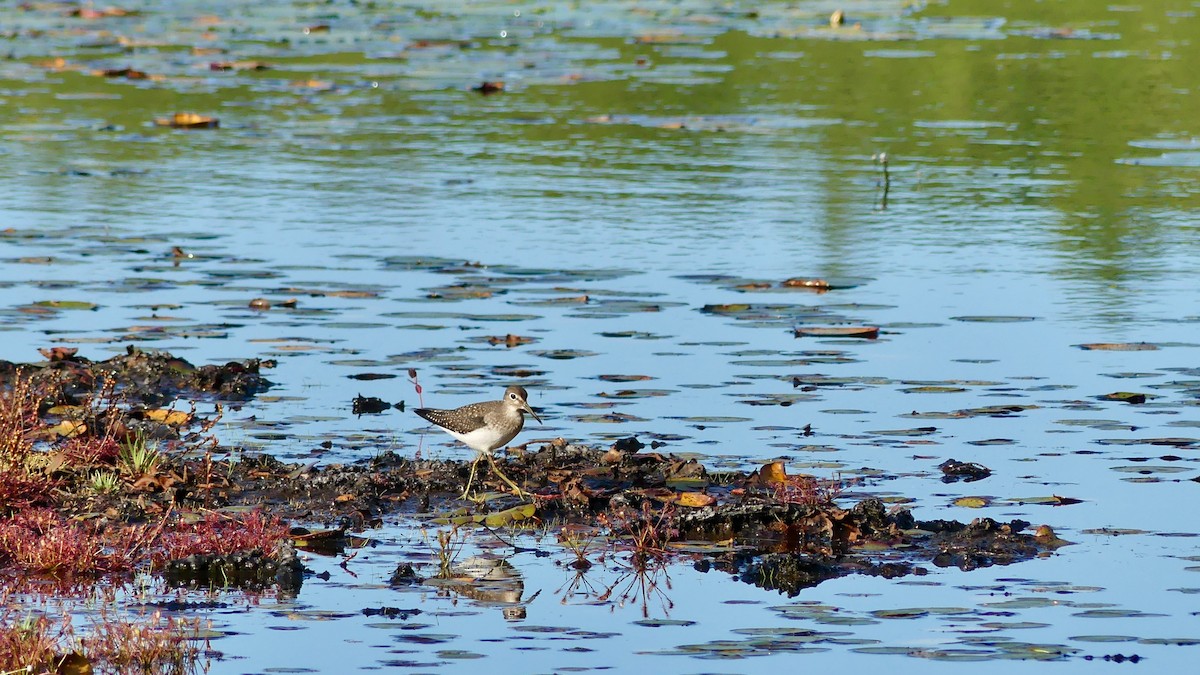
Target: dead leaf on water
[(126, 73), (72, 663), (1124, 397), (863, 332), (238, 65), (187, 120), (66, 304), (1119, 346), (66, 429), (1052, 500), (994, 319), (623, 378), (174, 418), (798, 282), (489, 87), (510, 340)]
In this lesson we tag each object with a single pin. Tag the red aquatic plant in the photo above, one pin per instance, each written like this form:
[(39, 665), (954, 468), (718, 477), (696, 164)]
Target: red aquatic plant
[(20, 489), (147, 644), (42, 541), (32, 642), (91, 450), (807, 490), (221, 534), (36, 643), (19, 406)]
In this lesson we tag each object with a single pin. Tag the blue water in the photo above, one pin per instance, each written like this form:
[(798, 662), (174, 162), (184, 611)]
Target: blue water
[(730, 153)]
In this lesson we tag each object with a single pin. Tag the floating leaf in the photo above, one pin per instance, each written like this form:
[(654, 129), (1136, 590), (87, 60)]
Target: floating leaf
[(66, 429), (994, 319), (510, 340), (918, 431), (1053, 500), (1124, 397), (973, 502), (933, 389), (498, 519), (66, 304), (174, 418), (624, 378), (862, 332), (188, 121), (1119, 346), (562, 354)]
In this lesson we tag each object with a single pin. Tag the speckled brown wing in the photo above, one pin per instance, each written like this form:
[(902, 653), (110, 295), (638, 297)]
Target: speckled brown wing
[(462, 420)]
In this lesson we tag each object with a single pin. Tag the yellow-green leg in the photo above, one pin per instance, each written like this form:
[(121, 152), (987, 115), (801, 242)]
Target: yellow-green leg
[(516, 489), (471, 477)]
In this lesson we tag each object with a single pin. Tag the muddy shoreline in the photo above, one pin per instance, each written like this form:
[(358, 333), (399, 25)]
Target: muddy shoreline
[(766, 528)]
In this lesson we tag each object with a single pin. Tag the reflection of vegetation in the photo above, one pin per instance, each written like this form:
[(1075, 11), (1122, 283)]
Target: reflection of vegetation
[(154, 644), (645, 540), (638, 542)]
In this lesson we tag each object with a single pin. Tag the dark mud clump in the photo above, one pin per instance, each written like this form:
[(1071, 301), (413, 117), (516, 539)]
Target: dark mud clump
[(92, 418), (148, 377)]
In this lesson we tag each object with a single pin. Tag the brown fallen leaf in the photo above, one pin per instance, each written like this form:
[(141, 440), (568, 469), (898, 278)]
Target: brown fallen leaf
[(174, 418), (156, 482), (772, 474), (71, 663), (489, 87), (509, 340), (863, 332), (238, 65), (58, 353), (188, 121), (612, 456), (1119, 346), (800, 282), (127, 73), (66, 429), (695, 499), (89, 12)]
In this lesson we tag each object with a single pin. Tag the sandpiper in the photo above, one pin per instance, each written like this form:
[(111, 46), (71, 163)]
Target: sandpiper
[(485, 427)]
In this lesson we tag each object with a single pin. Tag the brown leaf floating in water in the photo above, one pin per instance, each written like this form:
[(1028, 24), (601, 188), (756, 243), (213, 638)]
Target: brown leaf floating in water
[(187, 120), (510, 340), (489, 87), (800, 282), (862, 332), (1119, 346)]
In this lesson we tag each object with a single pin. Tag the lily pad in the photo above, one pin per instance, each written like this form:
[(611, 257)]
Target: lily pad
[(995, 319), (66, 304)]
